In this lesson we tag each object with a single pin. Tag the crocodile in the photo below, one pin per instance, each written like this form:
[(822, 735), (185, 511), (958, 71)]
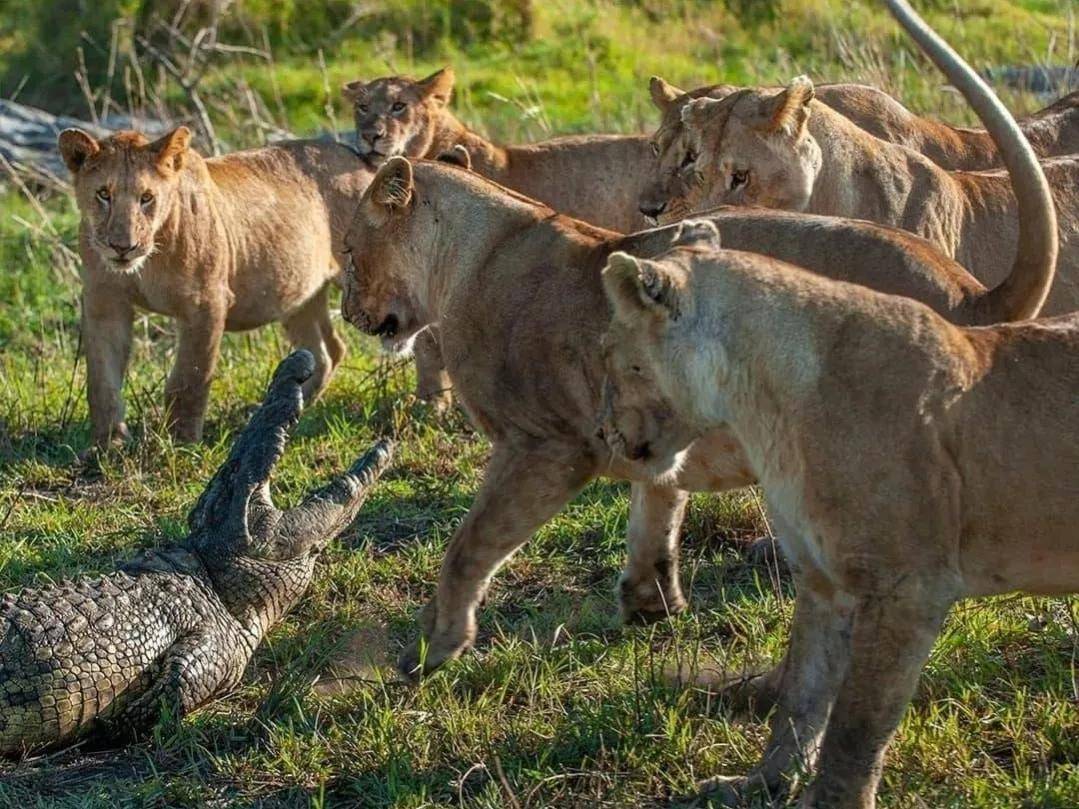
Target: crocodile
[(104, 657)]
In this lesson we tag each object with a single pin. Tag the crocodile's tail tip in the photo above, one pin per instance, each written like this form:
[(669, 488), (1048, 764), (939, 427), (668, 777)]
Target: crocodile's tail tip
[(375, 461)]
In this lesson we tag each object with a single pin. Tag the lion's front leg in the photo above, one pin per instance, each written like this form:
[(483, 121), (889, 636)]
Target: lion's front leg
[(187, 390), (893, 633), (107, 318), (649, 589), (521, 491), (803, 687)]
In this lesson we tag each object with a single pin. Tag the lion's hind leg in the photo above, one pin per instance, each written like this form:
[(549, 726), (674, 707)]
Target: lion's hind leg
[(433, 384), (309, 327)]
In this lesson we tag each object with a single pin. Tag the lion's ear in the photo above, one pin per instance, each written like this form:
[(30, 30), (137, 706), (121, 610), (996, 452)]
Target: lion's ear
[(788, 112), (457, 156), (663, 94), (699, 112), (438, 85), (169, 150), (701, 233), (76, 147), (392, 187), (638, 286), (354, 90)]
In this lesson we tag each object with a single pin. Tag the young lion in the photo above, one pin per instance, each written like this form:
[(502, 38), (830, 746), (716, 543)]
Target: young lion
[(786, 150), (1053, 130), (593, 177), (228, 243), (908, 462), (433, 243)]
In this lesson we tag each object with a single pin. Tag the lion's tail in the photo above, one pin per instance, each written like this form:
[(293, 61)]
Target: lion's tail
[(1023, 292)]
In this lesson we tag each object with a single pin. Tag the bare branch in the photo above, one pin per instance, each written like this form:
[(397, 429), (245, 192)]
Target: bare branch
[(190, 89)]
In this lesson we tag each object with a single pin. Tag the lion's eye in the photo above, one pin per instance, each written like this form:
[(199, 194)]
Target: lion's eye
[(103, 194), (635, 368), (689, 159), (739, 178), (361, 107), (146, 198), (655, 148), (398, 107)]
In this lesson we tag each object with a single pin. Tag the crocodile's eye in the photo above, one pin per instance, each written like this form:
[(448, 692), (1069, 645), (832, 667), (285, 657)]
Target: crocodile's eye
[(739, 178), (103, 194), (689, 159), (398, 107)]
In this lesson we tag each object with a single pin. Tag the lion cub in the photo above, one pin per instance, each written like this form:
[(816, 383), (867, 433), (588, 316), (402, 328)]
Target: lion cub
[(221, 244), (907, 462)]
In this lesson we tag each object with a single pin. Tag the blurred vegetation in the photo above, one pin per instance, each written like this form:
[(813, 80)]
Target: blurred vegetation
[(526, 67)]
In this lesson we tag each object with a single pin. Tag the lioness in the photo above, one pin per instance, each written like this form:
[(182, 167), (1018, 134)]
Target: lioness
[(877, 430), (786, 150), (433, 243), (594, 177), (228, 243), (1053, 130)]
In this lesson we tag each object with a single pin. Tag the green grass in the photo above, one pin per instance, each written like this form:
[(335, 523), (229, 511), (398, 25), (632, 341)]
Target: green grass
[(559, 705)]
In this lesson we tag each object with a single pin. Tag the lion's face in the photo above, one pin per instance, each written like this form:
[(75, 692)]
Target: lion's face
[(636, 421), (386, 249), (751, 148), (661, 200), (645, 352), (666, 185), (398, 115), (124, 187)]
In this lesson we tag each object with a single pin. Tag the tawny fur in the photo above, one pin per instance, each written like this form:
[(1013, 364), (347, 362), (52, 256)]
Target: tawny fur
[(907, 463), (515, 291), (1052, 131), (594, 177), (828, 165), (221, 244)]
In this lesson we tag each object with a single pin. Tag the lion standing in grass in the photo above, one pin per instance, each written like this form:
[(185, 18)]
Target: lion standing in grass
[(223, 244)]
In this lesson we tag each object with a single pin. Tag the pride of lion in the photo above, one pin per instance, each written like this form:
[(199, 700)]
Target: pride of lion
[(843, 303)]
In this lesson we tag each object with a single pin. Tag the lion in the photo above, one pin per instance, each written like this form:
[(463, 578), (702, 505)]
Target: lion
[(436, 244), (1051, 131), (786, 150), (876, 429), (222, 244), (593, 177)]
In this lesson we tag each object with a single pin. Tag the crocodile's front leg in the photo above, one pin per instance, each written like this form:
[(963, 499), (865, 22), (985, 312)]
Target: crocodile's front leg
[(198, 667)]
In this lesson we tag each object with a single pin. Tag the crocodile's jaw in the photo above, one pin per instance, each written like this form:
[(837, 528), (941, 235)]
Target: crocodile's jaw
[(259, 592)]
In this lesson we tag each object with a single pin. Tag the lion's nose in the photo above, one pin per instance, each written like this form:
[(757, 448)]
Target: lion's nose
[(120, 248), (652, 209), (388, 327)]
